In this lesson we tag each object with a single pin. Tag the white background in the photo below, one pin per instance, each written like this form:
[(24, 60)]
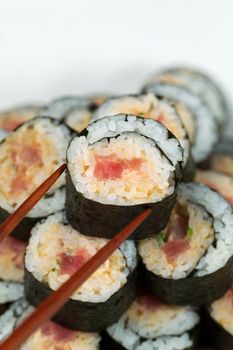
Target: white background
[(55, 47)]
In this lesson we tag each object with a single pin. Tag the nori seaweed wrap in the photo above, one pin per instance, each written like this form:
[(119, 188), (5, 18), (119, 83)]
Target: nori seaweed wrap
[(103, 298), (191, 261), (120, 166)]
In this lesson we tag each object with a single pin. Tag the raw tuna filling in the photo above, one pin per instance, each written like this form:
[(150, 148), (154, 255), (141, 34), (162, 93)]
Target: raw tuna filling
[(176, 251), (9, 121)]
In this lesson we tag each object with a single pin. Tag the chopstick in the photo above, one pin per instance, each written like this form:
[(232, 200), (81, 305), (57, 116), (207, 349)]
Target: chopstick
[(14, 219), (48, 308)]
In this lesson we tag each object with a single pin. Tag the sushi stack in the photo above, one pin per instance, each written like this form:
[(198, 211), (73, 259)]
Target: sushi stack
[(155, 149)]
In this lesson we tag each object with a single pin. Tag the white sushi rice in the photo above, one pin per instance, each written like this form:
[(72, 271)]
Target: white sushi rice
[(206, 129), (216, 256), (54, 236), (61, 106), (162, 327), (153, 184), (147, 106), (58, 137), (113, 126), (10, 292), (13, 316)]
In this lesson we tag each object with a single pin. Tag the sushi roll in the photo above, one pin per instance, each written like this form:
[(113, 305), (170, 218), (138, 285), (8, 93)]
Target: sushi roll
[(28, 156), (50, 335), (119, 166), (53, 336), (151, 325), (11, 119), (199, 84), (161, 110), (10, 319), (191, 261), (221, 321), (74, 111), (222, 158), (205, 124), (56, 251), (12, 253), (217, 181)]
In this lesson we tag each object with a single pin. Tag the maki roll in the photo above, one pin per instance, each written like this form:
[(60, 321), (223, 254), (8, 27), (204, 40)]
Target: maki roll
[(217, 181), (56, 251), (199, 84), (204, 123), (221, 321), (12, 253), (161, 110), (11, 119), (222, 158), (28, 156), (11, 271), (53, 336), (74, 111), (190, 262), (119, 166), (50, 335), (151, 325)]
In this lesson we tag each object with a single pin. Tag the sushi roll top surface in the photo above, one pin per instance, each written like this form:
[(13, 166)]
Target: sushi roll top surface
[(28, 156), (150, 325), (221, 311), (197, 239), (52, 336), (56, 251), (217, 181)]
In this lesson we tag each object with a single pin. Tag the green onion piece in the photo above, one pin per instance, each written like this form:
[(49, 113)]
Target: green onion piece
[(141, 114), (189, 232), (160, 237)]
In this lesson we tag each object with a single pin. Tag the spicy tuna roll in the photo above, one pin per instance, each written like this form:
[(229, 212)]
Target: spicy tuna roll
[(161, 110), (221, 321), (217, 181), (204, 124), (50, 335), (74, 111), (11, 119), (191, 260), (56, 251), (201, 85), (28, 156), (151, 325), (121, 165), (12, 253), (221, 159), (53, 336)]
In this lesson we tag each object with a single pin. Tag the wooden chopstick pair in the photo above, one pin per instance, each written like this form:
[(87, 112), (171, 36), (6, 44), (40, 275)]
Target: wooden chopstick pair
[(57, 299)]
